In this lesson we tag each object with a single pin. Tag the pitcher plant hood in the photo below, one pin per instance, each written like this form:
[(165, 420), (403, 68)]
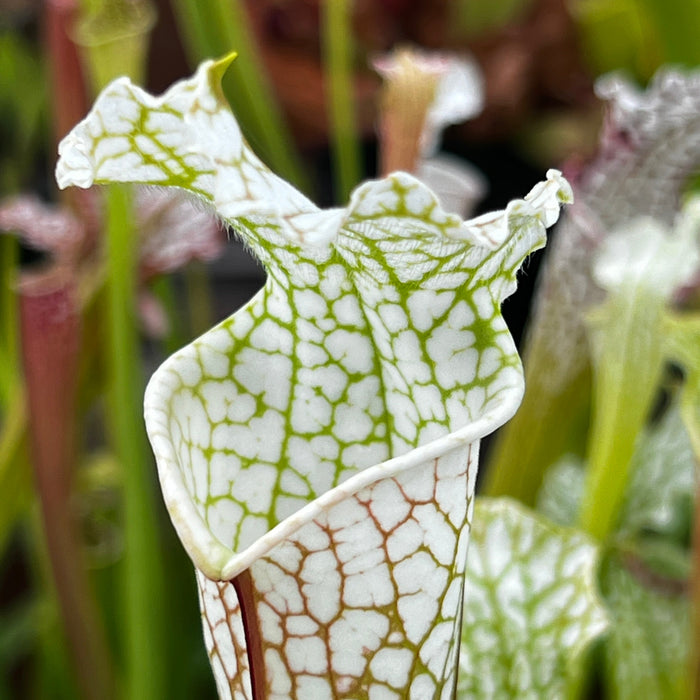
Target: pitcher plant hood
[(317, 450)]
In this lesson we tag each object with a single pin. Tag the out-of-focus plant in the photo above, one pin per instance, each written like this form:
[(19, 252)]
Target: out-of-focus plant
[(423, 93), (609, 322), (639, 267), (650, 147)]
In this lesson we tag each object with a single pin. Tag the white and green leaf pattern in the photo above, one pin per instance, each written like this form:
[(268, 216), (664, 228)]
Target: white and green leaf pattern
[(317, 450), (531, 607)]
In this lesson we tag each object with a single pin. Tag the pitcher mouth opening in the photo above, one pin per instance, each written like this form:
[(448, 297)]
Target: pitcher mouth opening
[(220, 562)]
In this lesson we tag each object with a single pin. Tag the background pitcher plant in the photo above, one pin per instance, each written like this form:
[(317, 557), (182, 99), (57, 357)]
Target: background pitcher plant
[(317, 450)]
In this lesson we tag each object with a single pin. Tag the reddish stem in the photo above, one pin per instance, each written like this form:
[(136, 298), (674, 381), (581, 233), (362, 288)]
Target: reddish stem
[(245, 591), (50, 332), (69, 97)]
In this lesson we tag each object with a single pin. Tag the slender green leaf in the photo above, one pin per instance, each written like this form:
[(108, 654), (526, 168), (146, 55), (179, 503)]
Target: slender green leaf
[(9, 341), (339, 70), (143, 576), (15, 467), (628, 370), (640, 266)]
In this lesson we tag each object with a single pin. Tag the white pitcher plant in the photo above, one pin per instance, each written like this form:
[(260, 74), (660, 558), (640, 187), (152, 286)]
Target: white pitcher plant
[(318, 450)]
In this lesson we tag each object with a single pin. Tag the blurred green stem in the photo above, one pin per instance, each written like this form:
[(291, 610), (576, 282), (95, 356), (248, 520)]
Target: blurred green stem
[(114, 36), (337, 52), (199, 298), (628, 361), (213, 28), (9, 347), (164, 290), (15, 472), (681, 333), (143, 576), (694, 671)]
